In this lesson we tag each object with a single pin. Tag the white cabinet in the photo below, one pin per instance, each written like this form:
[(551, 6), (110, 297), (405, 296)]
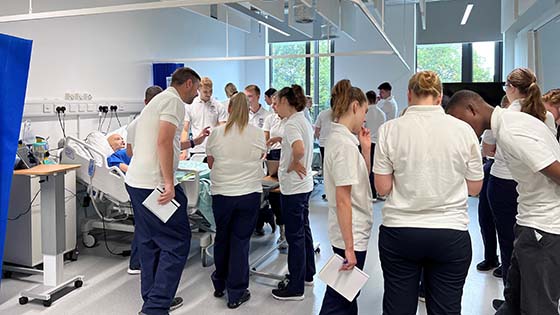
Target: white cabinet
[(23, 235)]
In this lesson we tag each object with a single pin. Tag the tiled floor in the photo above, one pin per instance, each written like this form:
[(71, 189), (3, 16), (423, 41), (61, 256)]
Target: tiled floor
[(108, 289)]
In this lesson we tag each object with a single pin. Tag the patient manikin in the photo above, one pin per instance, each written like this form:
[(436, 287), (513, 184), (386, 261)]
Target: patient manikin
[(119, 158)]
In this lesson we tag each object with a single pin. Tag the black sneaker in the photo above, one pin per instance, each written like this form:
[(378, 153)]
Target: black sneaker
[(244, 298), (421, 296), (486, 265), (498, 272), (285, 295), (497, 303), (218, 294), (176, 303)]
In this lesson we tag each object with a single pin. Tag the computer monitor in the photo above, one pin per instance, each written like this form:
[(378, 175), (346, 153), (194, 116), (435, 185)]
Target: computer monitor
[(491, 92)]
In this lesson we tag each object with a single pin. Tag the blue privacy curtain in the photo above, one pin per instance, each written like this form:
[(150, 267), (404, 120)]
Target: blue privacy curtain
[(15, 55)]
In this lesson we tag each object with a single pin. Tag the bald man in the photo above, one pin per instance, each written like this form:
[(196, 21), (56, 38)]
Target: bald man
[(533, 158)]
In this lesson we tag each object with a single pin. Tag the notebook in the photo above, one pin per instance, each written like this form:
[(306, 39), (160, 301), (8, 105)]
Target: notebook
[(163, 212), (346, 283)]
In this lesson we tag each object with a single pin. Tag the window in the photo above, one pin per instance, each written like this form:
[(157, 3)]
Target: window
[(466, 62), (314, 74), (444, 59), (483, 61)]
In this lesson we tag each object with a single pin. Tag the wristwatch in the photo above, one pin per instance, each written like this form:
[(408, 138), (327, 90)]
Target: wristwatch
[(192, 143)]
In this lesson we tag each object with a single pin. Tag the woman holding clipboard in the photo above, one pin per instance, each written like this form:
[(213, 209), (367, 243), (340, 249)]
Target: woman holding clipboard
[(347, 187)]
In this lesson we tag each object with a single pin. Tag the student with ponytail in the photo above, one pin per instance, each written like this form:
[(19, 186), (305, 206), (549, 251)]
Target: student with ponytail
[(296, 184), (426, 163), (347, 187)]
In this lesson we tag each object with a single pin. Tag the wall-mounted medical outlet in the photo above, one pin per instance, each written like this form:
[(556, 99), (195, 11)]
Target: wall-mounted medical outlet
[(47, 108), (91, 107), (72, 108), (82, 108)]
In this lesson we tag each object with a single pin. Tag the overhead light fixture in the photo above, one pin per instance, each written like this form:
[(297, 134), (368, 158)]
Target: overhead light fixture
[(467, 13), (273, 28)]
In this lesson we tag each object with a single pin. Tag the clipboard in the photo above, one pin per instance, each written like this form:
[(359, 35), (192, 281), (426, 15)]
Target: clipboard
[(163, 212), (346, 283)]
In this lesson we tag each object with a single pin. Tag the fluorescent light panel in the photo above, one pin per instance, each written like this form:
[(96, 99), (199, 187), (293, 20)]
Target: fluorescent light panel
[(468, 10), (274, 28)]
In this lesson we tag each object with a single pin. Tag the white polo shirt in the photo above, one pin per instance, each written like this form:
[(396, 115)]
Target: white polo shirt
[(275, 126), (389, 107), (257, 119), (431, 155), (323, 122), (144, 169), (345, 166), (202, 114), (528, 146), (375, 117), (297, 128), (238, 168), (500, 168)]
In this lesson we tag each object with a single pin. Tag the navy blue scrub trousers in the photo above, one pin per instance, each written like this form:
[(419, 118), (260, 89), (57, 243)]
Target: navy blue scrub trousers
[(333, 302), (235, 221), (301, 254), (486, 218), (163, 250), (502, 194), (443, 254)]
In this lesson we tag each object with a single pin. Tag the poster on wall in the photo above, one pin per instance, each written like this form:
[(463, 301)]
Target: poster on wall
[(15, 57)]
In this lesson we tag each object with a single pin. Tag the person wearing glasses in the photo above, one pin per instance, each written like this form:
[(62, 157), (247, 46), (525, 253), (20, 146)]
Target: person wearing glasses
[(524, 95)]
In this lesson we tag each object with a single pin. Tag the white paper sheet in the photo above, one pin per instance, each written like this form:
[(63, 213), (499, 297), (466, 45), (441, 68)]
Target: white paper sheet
[(162, 212), (346, 283)]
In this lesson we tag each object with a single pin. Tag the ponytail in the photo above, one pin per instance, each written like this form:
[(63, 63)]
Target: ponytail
[(295, 96), (533, 104), (526, 82), (342, 95)]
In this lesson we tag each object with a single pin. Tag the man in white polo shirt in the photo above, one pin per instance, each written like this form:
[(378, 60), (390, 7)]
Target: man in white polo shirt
[(532, 155), (163, 247), (205, 111), (387, 102), (257, 113)]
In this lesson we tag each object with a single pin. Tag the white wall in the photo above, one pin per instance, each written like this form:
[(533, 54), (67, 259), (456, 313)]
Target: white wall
[(548, 48), (367, 72), (520, 50), (111, 55)]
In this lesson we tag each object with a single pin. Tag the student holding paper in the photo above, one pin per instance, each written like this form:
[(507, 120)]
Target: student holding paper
[(235, 152), (163, 246), (427, 163), (347, 187)]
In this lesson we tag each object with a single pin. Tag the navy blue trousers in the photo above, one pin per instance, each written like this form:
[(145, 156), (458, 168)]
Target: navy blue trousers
[(134, 262), (443, 254), (502, 194), (486, 218), (235, 221), (301, 255), (163, 250), (336, 304)]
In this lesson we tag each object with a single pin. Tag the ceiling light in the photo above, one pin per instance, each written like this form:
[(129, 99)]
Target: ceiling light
[(468, 10)]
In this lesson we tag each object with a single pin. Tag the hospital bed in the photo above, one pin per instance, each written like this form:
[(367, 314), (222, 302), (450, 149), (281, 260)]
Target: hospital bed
[(106, 188)]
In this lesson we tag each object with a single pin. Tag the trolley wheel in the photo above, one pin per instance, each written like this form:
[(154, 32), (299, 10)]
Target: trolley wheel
[(89, 241), (47, 303), (23, 300), (78, 284)]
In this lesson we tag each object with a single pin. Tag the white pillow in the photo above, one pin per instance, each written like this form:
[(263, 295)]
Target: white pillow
[(98, 140)]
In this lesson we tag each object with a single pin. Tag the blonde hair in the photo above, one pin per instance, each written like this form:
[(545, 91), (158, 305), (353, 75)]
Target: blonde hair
[(239, 113), (425, 83), (230, 89), (205, 82), (552, 97), (254, 88), (526, 82), (342, 95)]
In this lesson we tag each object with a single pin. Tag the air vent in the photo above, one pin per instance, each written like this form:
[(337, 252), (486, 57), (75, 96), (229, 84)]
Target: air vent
[(303, 14)]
